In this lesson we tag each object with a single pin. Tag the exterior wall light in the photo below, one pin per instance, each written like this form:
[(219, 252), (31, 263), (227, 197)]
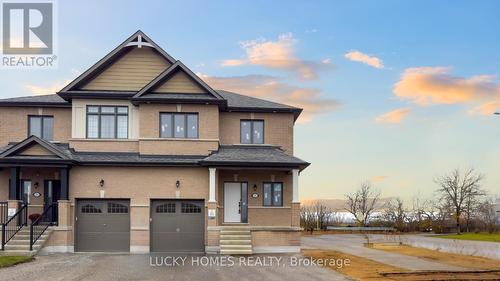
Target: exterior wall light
[(255, 187), (101, 183), (177, 184), (35, 185)]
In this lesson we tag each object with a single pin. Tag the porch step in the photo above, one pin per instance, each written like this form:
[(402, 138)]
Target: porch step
[(20, 243), (235, 240)]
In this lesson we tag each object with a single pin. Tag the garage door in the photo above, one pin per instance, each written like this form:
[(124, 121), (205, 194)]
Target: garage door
[(177, 226), (103, 226)]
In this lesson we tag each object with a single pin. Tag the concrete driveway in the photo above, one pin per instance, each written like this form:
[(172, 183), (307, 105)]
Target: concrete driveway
[(138, 267)]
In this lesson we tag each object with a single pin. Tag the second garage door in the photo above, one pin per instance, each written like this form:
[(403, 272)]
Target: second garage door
[(103, 225), (177, 226)]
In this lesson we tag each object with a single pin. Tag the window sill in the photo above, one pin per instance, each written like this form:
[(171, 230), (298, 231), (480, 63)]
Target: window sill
[(104, 140), (269, 207), (175, 139)]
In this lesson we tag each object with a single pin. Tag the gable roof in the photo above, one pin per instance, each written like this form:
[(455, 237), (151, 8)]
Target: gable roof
[(13, 150), (136, 39), (165, 75)]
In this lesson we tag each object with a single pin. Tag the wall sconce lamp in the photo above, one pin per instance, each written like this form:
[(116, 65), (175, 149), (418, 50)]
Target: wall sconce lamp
[(101, 183), (255, 187), (36, 185), (177, 184)]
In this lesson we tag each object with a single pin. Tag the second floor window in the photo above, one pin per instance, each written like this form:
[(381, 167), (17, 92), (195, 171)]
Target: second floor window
[(252, 131), (41, 126), (179, 125), (107, 122)]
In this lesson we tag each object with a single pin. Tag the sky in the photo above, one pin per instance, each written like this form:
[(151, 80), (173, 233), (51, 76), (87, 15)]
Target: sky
[(394, 92)]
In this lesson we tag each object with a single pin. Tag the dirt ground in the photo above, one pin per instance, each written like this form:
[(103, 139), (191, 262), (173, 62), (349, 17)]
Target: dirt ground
[(367, 270), (471, 262)]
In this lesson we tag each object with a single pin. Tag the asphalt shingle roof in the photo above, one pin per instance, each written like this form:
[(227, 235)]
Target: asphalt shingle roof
[(48, 99), (253, 155), (235, 100)]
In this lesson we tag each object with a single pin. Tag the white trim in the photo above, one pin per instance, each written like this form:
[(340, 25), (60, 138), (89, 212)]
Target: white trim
[(139, 249), (56, 249), (269, 207), (211, 185), (295, 186), (276, 249), (140, 205), (177, 139)]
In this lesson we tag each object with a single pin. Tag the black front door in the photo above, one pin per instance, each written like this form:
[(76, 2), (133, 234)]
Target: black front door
[(52, 191)]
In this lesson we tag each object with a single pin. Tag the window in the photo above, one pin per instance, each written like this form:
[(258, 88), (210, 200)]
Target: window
[(166, 208), (252, 131), (26, 192), (107, 122), (189, 208), (41, 126), (90, 209), (115, 208), (179, 125), (272, 194)]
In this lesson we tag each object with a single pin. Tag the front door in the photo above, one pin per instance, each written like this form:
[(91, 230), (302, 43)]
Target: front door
[(232, 202), (52, 191)]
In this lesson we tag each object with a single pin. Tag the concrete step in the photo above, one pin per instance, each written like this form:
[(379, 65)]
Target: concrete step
[(235, 237), (8, 247), (235, 227), (235, 232), (27, 237), (25, 241), (17, 253), (236, 247), (236, 252), (236, 242)]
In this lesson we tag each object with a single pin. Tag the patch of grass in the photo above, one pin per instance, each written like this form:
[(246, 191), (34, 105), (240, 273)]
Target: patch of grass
[(472, 262), (489, 237), (6, 261)]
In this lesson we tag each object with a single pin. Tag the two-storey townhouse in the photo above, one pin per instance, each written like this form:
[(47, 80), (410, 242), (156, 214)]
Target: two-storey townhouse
[(138, 154)]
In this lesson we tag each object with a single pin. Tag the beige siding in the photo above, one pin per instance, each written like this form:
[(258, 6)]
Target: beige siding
[(14, 123), (278, 128), (180, 82), (131, 72), (36, 150)]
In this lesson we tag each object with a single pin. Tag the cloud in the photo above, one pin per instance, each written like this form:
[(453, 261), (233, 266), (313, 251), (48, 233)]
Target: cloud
[(272, 88), (278, 54), (47, 90), (394, 116), (364, 58), (434, 85), (488, 108), (377, 179)]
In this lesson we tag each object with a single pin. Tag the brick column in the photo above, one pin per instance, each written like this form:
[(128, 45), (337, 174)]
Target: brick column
[(12, 207), (64, 209), (296, 214), (212, 231)]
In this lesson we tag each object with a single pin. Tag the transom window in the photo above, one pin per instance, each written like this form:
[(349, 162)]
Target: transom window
[(116, 208), (190, 208), (272, 194), (90, 209), (252, 131), (179, 125), (41, 126), (166, 208), (107, 122)]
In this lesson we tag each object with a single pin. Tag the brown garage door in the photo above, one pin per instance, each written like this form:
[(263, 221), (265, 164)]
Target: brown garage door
[(103, 225), (177, 226)]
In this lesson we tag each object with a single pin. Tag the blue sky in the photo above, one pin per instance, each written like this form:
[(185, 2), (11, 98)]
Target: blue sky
[(432, 67)]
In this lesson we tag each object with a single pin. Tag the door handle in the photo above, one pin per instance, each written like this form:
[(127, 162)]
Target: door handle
[(239, 207)]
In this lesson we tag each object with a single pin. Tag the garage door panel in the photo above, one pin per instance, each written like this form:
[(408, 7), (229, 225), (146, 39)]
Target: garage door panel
[(103, 225), (177, 226)]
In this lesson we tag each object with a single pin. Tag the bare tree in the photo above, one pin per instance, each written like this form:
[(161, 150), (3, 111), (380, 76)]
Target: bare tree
[(456, 188), (307, 218), (396, 213), (322, 213), (488, 214), (362, 202)]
